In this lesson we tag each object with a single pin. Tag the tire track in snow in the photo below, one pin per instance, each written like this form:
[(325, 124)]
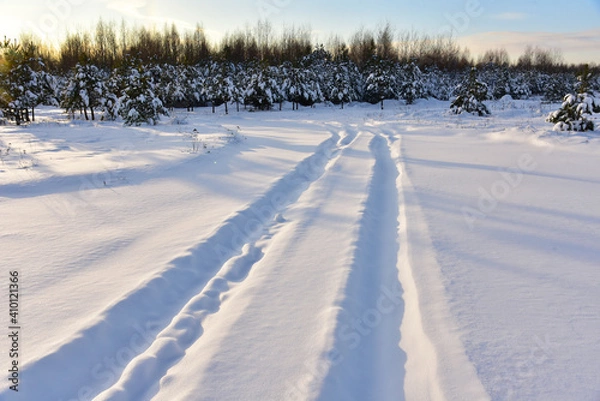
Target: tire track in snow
[(367, 362), (94, 358), (145, 371), (141, 378)]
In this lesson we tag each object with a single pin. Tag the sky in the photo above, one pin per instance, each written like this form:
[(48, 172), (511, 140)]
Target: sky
[(572, 27)]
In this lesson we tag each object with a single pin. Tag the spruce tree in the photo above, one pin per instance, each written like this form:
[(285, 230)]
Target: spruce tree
[(470, 96), (411, 85), (85, 90), (139, 102), (576, 108), (20, 89), (380, 83)]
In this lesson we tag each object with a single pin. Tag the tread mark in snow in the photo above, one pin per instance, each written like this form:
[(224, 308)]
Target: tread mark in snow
[(368, 362), (149, 308)]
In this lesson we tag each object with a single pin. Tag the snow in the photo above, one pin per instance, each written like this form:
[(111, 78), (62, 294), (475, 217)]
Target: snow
[(318, 254)]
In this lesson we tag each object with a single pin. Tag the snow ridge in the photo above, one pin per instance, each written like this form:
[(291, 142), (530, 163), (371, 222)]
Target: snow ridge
[(437, 366)]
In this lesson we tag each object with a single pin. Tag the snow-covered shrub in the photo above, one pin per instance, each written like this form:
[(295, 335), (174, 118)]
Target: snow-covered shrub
[(470, 96)]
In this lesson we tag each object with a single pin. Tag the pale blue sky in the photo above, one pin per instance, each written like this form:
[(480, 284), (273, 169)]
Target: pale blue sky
[(573, 27)]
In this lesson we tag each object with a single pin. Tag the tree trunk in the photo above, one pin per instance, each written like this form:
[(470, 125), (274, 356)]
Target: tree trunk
[(92, 111), (32, 114), (226, 110), (85, 113), (381, 104)]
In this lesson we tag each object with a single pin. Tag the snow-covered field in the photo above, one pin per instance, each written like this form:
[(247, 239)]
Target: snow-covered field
[(321, 254)]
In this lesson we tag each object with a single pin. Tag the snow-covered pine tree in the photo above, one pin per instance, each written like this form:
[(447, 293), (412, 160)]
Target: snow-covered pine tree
[(139, 102), (278, 75), (500, 86), (49, 91), (470, 96), (218, 85), (191, 84), (238, 84), (84, 91), (20, 90), (573, 113), (290, 84), (110, 100), (438, 85), (411, 85), (212, 88), (167, 85), (309, 90), (340, 89), (261, 87), (556, 86), (380, 82), (519, 86)]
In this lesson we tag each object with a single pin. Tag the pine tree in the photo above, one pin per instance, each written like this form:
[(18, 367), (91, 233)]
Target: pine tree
[(110, 101), (380, 83), (340, 89), (261, 88), (191, 86), (437, 84), (411, 85), (573, 113), (519, 86), (238, 81), (20, 89), (139, 102), (556, 87), (470, 96), (85, 90), (219, 85)]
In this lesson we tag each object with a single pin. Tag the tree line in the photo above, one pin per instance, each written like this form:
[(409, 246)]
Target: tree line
[(137, 74), (110, 43)]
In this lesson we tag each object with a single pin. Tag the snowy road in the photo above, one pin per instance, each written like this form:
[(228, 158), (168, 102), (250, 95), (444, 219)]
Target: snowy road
[(318, 255)]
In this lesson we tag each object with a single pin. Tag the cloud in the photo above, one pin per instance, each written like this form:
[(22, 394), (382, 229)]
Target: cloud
[(510, 16), (576, 47), (145, 11)]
